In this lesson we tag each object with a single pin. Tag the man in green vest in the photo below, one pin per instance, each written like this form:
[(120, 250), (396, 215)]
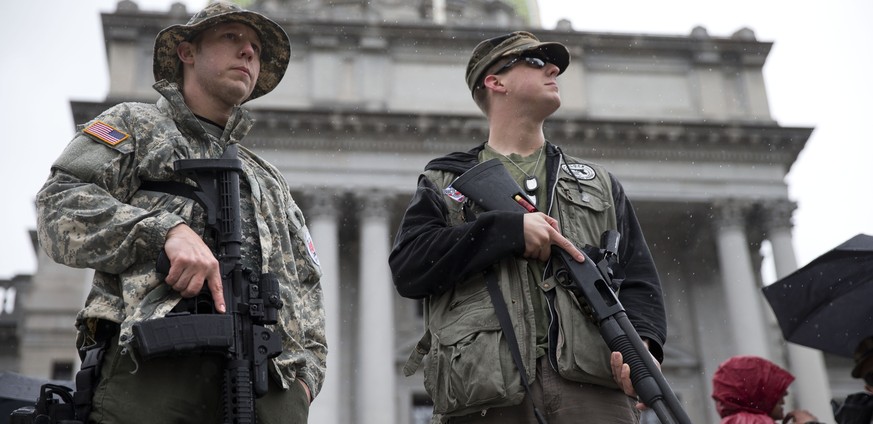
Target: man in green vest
[(447, 248)]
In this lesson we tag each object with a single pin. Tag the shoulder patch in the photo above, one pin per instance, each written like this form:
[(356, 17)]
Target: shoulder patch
[(310, 248), (106, 133), (580, 171)]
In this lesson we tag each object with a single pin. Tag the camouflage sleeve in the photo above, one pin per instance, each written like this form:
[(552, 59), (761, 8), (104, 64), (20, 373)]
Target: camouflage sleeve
[(314, 353), (308, 305), (80, 220), (302, 322)]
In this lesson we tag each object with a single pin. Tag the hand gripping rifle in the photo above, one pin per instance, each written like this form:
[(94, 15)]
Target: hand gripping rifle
[(252, 300), (489, 185)]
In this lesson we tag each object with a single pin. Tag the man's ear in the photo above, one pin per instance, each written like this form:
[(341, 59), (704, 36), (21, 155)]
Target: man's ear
[(185, 51), (493, 83)]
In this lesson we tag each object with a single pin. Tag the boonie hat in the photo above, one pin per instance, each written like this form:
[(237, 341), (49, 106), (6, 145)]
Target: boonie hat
[(863, 352), (493, 49), (275, 46)]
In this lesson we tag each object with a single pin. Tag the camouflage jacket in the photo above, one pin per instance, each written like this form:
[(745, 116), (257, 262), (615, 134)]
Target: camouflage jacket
[(91, 214)]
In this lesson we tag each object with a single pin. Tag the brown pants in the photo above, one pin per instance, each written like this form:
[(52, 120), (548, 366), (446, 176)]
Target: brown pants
[(184, 389), (562, 402)]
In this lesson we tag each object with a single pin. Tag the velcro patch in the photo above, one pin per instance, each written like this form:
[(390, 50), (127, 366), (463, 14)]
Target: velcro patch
[(310, 247), (580, 171), (106, 133)]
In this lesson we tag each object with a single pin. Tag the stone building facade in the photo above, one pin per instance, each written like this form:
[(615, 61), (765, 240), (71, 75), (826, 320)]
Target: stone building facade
[(375, 89)]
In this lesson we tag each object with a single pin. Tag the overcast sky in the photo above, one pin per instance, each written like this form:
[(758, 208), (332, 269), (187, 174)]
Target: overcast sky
[(818, 74)]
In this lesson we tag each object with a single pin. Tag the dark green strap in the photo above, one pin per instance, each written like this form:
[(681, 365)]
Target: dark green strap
[(506, 325)]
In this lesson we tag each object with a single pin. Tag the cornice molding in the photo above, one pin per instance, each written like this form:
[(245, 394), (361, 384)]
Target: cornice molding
[(320, 130)]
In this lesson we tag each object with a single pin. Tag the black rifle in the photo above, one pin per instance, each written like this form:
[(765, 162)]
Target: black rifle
[(55, 404), (489, 185), (252, 300)]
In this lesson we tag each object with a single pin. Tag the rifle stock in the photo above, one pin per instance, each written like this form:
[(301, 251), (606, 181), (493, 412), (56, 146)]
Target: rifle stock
[(489, 185)]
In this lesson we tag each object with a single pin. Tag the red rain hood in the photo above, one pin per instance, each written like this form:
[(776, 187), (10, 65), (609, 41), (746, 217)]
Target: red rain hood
[(747, 385)]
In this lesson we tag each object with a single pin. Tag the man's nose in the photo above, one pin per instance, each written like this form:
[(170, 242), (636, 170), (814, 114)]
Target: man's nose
[(552, 69), (248, 51)]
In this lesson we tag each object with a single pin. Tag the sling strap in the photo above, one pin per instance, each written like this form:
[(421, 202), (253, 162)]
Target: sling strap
[(506, 325), (171, 187), (89, 374)]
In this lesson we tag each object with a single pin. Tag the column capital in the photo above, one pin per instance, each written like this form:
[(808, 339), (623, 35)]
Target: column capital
[(374, 204), (776, 214), (731, 212), (323, 203)]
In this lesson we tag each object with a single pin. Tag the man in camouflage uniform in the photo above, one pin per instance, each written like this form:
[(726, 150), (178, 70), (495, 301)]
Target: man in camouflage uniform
[(448, 250), (94, 212)]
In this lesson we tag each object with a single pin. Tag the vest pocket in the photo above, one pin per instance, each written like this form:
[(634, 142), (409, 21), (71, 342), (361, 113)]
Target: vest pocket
[(581, 352), (470, 367), (584, 214), (588, 197)]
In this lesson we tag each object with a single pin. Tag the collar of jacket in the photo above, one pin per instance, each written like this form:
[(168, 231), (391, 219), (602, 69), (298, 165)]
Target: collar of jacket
[(460, 162), (173, 104)]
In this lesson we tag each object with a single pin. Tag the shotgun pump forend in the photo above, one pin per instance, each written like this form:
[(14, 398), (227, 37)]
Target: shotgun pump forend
[(591, 282)]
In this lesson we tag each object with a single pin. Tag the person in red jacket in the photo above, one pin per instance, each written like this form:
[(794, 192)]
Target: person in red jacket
[(752, 390)]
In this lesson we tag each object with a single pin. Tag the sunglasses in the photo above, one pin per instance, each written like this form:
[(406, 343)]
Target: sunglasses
[(532, 61)]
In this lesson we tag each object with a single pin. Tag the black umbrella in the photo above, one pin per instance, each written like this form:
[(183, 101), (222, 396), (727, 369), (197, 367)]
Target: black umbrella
[(828, 304)]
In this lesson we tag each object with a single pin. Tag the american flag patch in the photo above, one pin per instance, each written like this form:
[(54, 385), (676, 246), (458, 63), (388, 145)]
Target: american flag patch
[(454, 194), (106, 133)]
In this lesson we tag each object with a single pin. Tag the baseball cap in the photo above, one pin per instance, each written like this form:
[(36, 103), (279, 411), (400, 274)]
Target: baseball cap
[(493, 49), (275, 46)]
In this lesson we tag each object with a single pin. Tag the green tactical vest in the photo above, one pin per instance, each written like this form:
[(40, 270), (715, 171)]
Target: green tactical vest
[(468, 367)]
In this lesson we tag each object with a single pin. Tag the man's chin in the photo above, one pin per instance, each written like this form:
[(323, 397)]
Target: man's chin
[(237, 95), (554, 105)]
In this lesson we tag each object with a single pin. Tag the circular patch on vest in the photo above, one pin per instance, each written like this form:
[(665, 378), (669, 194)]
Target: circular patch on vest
[(580, 171)]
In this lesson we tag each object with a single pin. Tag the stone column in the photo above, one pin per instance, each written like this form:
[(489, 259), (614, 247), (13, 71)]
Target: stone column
[(322, 217), (811, 388), (776, 219), (741, 291), (376, 393), (48, 310)]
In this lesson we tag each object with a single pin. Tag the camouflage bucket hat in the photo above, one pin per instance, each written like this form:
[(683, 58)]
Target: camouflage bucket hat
[(493, 49), (275, 46)]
